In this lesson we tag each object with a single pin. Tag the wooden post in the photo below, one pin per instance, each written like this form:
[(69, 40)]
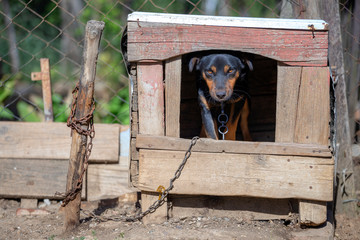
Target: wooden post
[(343, 153), (151, 121), (44, 76), (84, 103)]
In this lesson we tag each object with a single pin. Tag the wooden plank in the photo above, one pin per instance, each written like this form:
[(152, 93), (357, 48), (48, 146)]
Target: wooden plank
[(299, 24), (312, 126), (107, 181), (172, 96), (160, 215), (312, 213), (160, 41), (212, 146), (33, 178), (223, 174), (52, 141), (150, 98), (286, 102), (313, 111), (28, 203)]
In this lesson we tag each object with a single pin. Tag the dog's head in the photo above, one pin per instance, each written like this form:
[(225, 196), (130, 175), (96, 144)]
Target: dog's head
[(220, 73)]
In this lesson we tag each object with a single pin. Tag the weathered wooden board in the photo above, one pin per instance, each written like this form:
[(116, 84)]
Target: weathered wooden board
[(160, 41), (286, 102), (33, 178), (150, 98), (52, 141), (160, 215), (223, 174), (313, 109), (312, 126), (172, 96), (107, 181), (312, 213), (212, 146), (274, 23)]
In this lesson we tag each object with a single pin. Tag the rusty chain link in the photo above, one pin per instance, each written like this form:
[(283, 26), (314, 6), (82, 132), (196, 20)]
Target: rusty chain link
[(77, 124), (158, 202)]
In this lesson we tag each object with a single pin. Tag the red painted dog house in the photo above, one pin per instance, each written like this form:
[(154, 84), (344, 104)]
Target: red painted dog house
[(289, 158)]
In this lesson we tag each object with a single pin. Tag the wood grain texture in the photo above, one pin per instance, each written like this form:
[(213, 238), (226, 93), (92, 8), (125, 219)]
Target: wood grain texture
[(160, 215), (160, 41), (312, 213), (223, 174), (150, 98), (312, 126), (33, 178), (84, 104), (52, 141), (44, 77), (212, 146), (286, 102), (106, 181), (313, 109), (172, 96)]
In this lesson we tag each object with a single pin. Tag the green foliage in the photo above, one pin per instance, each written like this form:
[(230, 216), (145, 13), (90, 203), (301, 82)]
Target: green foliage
[(38, 26), (52, 237), (117, 107)]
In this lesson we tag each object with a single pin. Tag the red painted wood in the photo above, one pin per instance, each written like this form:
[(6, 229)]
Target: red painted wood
[(161, 41)]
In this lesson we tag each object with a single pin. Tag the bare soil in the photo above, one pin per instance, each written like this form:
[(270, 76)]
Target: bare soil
[(49, 225)]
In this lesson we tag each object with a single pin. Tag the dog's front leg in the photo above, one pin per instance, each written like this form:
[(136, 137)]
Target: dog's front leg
[(207, 119)]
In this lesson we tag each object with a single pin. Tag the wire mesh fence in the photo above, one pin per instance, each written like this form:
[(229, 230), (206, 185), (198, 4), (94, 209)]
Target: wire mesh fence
[(30, 30), (34, 29)]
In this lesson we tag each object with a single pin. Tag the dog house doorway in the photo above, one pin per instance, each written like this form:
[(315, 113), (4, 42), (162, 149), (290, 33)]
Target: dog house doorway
[(262, 89)]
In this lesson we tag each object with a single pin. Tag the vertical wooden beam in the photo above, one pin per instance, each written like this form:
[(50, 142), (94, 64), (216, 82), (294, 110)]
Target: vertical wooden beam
[(84, 103), (44, 77), (343, 154), (288, 82), (173, 96), (313, 111), (151, 98), (312, 126), (151, 121), (302, 116)]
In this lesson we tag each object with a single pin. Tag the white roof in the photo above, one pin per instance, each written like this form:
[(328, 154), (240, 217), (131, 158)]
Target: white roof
[(275, 23)]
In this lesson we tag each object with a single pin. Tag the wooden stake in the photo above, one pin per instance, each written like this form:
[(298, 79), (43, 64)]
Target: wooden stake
[(44, 76), (93, 34)]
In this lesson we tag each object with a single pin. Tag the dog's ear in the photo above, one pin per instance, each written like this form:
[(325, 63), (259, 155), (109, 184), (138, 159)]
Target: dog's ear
[(249, 64), (193, 62)]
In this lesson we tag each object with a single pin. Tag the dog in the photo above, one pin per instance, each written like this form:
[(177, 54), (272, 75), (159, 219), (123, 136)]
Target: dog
[(222, 85)]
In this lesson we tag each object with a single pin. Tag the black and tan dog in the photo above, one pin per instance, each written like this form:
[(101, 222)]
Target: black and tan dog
[(222, 80)]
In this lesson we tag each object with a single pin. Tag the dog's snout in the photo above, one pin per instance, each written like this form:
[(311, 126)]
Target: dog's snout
[(221, 94)]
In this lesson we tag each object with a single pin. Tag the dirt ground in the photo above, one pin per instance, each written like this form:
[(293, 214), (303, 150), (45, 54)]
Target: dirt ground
[(48, 224)]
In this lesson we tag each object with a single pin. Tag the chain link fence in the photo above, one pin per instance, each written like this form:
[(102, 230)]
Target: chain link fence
[(34, 29), (30, 30)]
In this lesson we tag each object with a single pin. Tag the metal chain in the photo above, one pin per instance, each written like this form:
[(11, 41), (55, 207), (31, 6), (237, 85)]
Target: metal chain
[(76, 124), (158, 202), (223, 119)]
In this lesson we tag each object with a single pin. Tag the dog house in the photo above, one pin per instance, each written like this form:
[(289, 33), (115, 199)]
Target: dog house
[(289, 120)]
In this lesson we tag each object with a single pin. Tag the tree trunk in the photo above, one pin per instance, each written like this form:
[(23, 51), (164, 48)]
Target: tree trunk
[(84, 103)]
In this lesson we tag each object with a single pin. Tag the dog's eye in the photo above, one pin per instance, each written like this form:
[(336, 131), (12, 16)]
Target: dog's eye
[(231, 70), (209, 72)]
